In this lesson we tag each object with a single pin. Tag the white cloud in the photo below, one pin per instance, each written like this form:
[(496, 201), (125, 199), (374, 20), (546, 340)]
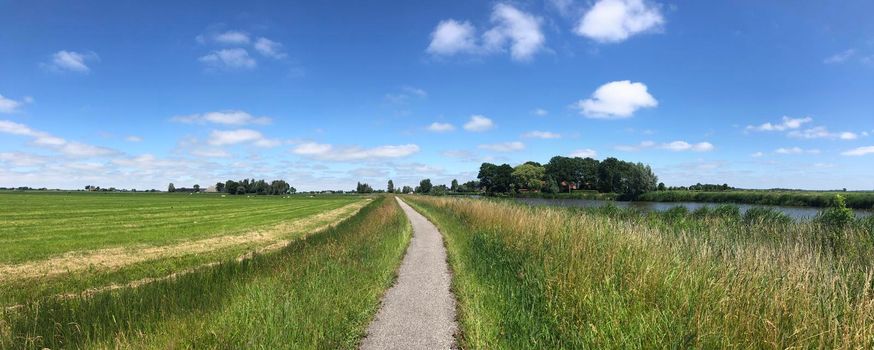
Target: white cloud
[(440, 127), (233, 137), (44, 139), (564, 7), (840, 57), (229, 117), (22, 159), (8, 105), (757, 155), (331, 153), (210, 153), (634, 148), (269, 48), (267, 143), (71, 61), (133, 138), (796, 150), (312, 149), (821, 132), (540, 112), (77, 149), (232, 37), (451, 37), (504, 146), (787, 123), (846, 135), (610, 21), (236, 58), (676, 146), (479, 123), (617, 100), (511, 27), (860, 151), (415, 91), (584, 153), (520, 29), (404, 96), (541, 135)]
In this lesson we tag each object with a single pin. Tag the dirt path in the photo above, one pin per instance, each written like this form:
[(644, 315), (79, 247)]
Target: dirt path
[(418, 312)]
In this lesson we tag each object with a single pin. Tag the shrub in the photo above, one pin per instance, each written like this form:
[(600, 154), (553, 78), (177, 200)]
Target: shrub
[(838, 215)]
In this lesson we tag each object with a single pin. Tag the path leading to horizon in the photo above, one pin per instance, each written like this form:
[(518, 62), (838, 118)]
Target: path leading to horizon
[(418, 312)]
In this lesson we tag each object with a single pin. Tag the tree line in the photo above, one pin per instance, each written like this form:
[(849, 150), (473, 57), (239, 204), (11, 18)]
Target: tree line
[(247, 186), (565, 174)]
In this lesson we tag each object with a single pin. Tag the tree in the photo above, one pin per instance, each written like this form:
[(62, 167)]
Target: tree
[(241, 190), (470, 186), (661, 187), (609, 179), (363, 188), (278, 187), (454, 185), (425, 186), (391, 186), (196, 188), (231, 186), (219, 187), (561, 169), (529, 176), (407, 189), (495, 178), (439, 190), (171, 188), (551, 186)]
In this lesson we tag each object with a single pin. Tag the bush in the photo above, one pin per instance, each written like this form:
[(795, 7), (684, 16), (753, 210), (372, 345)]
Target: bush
[(838, 216)]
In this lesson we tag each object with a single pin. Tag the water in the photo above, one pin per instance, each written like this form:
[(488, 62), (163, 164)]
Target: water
[(794, 212)]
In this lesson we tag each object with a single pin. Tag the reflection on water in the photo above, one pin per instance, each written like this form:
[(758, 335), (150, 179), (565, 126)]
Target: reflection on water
[(794, 212)]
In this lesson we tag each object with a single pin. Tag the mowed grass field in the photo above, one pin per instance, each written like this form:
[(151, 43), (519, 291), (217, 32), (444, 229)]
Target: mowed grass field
[(319, 291), (67, 243), (568, 278), (40, 225)]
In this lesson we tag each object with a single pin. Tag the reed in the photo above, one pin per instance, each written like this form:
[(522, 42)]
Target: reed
[(539, 277)]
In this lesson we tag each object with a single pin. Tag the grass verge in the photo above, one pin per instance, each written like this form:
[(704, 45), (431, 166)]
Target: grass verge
[(319, 292), (534, 278)]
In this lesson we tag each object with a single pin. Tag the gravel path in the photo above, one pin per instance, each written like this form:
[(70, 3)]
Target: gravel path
[(418, 312)]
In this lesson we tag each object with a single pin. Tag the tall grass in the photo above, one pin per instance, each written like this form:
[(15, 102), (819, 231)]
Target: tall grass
[(320, 292), (857, 200), (535, 277)]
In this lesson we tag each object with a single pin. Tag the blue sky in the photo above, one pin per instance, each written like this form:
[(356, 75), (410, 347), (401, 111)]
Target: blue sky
[(328, 93)]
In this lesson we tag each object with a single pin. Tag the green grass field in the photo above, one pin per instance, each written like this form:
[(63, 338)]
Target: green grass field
[(318, 292), (66, 243), (552, 278), (40, 225)]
